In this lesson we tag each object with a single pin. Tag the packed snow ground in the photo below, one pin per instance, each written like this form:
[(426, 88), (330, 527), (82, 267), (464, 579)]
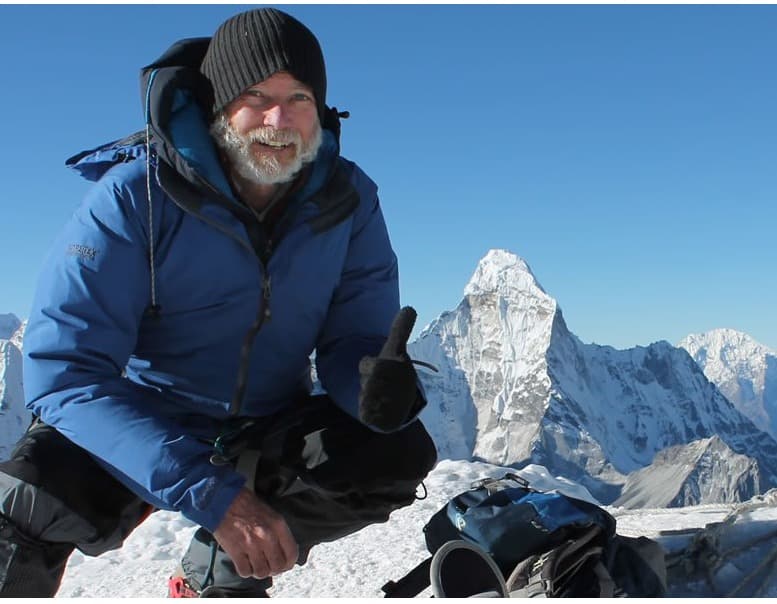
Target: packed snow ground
[(360, 564)]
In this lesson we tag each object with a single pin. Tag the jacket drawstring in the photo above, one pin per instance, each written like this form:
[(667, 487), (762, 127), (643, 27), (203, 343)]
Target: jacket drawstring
[(154, 309)]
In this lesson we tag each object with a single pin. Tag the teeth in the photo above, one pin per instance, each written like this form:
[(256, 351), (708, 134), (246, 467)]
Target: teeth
[(276, 145)]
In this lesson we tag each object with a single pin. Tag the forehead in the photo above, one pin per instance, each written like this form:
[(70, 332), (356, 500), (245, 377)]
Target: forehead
[(280, 80)]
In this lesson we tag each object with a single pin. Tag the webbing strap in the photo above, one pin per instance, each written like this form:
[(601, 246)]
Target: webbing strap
[(412, 584), (246, 465), (606, 583)]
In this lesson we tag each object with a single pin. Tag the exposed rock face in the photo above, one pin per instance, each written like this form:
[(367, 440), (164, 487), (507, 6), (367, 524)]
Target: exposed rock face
[(517, 387), (490, 352), (702, 471)]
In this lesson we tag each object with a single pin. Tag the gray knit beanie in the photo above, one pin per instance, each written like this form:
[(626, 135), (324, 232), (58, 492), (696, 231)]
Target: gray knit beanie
[(251, 46)]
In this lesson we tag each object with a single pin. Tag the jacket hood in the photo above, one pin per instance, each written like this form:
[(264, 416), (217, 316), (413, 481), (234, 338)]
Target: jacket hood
[(174, 94)]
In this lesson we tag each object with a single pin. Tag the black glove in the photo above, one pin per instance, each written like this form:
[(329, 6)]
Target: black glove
[(389, 394)]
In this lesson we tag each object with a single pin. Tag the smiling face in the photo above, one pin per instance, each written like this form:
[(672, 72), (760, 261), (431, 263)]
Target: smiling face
[(270, 131)]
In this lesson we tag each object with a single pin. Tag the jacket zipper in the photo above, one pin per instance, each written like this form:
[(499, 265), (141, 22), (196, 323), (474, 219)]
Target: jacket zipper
[(263, 315), (264, 312)]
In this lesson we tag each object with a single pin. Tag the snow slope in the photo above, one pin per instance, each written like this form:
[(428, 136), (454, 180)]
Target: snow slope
[(704, 470), (357, 566)]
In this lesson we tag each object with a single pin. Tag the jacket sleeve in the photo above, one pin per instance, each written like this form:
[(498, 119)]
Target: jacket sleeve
[(83, 327), (363, 306)]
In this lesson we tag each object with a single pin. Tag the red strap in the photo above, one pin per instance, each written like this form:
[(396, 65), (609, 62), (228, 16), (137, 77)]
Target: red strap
[(178, 588)]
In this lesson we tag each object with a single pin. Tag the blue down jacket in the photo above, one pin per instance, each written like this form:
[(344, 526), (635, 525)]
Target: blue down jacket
[(146, 390)]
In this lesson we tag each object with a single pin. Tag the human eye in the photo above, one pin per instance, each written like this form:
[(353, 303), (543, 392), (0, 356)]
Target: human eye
[(254, 97), (301, 97)]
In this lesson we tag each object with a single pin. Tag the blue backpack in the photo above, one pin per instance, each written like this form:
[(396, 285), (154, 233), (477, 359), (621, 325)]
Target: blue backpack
[(504, 538)]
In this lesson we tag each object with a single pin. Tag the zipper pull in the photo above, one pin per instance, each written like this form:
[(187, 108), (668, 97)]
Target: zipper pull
[(267, 288)]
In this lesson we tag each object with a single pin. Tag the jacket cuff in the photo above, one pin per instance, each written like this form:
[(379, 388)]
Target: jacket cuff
[(208, 503)]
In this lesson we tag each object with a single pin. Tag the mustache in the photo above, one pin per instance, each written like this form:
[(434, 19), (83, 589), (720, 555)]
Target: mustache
[(270, 135)]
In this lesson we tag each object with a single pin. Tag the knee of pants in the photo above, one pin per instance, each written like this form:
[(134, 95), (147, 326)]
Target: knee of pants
[(43, 518), (419, 450), (54, 492), (29, 568), (338, 454), (404, 457), (389, 467)]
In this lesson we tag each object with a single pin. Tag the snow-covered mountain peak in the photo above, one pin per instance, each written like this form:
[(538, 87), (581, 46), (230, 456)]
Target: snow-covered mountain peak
[(14, 418), (17, 337), (517, 386), (503, 273), (743, 369), (9, 324), (724, 347), (489, 351)]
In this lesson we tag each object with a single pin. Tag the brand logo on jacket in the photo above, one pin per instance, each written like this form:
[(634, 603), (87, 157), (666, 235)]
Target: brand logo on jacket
[(82, 251)]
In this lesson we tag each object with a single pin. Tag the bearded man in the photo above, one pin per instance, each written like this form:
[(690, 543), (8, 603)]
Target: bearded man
[(167, 354)]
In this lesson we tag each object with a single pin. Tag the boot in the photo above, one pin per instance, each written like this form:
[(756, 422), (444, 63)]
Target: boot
[(207, 572)]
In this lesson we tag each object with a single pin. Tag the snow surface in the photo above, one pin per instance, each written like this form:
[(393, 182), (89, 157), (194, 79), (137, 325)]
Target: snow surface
[(357, 566)]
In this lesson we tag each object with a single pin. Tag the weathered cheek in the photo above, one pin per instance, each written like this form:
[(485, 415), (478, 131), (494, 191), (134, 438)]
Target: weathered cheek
[(310, 124), (241, 125), (243, 119)]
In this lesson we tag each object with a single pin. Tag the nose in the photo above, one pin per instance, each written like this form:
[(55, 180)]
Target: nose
[(274, 116)]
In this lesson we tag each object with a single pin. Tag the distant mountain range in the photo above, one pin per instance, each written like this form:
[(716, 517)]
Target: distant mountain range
[(14, 417), (650, 426), (517, 387), (744, 370)]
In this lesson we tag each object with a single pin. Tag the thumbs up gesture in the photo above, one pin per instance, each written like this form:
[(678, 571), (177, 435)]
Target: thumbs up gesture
[(389, 394)]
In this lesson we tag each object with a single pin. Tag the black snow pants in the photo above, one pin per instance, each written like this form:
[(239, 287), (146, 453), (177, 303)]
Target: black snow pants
[(326, 473)]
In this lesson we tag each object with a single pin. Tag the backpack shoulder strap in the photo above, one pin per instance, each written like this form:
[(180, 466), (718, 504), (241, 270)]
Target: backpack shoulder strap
[(412, 584), (552, 573), (461, 569)]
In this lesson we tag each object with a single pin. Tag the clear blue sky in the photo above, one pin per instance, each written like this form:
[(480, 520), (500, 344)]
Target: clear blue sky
[(627, 153)]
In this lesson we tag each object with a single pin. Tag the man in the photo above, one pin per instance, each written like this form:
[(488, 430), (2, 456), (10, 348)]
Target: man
[(167, 355)]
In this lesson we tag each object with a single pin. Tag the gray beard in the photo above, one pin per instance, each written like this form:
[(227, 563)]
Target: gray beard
[(267, 170)]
